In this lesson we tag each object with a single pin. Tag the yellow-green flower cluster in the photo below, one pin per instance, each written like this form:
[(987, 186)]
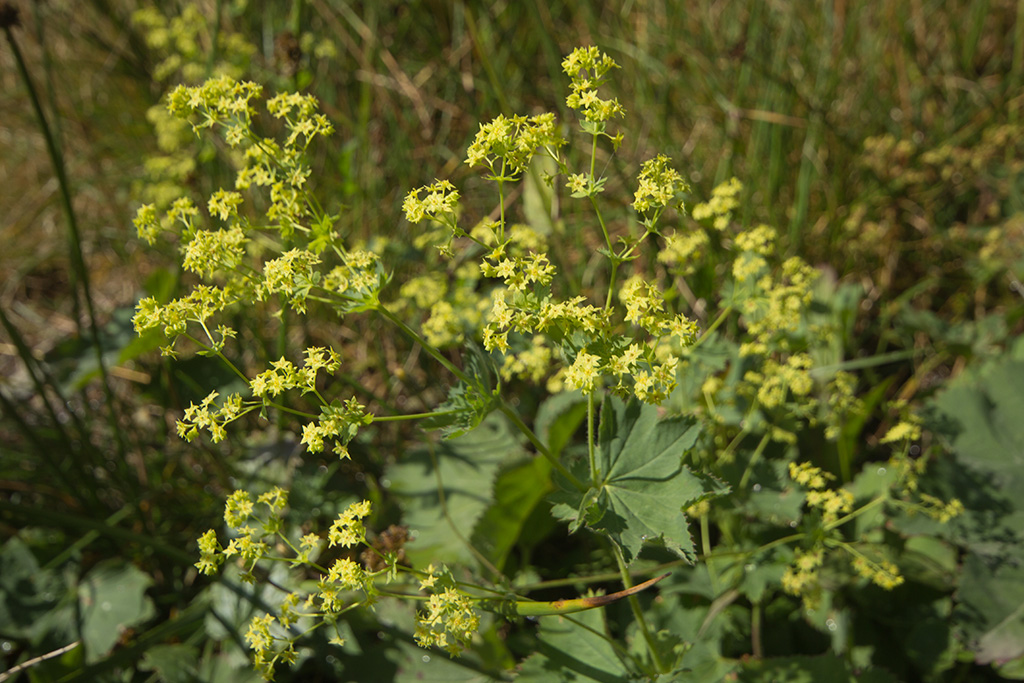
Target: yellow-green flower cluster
[(507, 144), (587, 67), (224, 204), (301, 117), (343, 576), (211, 554), (263, 164), (776, 379), (532, 364), (282, 376), (520, 271), (358, 280), (882, 573), (238, 508), (147, 224), (779, 310), (904, 430), (938, 509), (181, 41), (197, 306), (526, 315), (842, 400), (348, 530), (683, 251), (291, 276), (754, 246), (201, 416), (247, 543), (514, 309), (759, 240), (222, 100), (267, 636), (262, 643), (660, 187), (584, 372), (338, 421), (449, 622), (211, 250), (724, 200), (440, 202), (831, 502), (446, 323), (801, 577)]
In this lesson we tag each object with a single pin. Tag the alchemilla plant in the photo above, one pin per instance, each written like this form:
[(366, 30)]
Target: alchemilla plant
[(690, 409)]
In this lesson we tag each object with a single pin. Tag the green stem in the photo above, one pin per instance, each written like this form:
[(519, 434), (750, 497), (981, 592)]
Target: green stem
[(638, 613), (434, 353), (857, 513), (501, 204), (705, 544), (611, 284), (413, 416), (502, 406), (539, 445), (753, 460), (714, 326), (595, 476)]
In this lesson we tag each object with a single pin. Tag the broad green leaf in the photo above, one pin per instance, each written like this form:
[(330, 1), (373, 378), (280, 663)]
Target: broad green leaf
[(517, 492), (171, 663), (643, 487), (573, 648), (467, 467), (992, 598), (112, 597), (987, 406), (981, 411), (29, 595), (828, 667), (558, 419)]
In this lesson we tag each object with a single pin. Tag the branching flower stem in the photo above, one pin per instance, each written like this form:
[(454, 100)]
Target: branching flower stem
[(502, 405)]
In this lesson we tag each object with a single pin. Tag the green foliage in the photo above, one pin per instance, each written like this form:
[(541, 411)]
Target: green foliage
[(641, 486), (761, 363), (980, 413)]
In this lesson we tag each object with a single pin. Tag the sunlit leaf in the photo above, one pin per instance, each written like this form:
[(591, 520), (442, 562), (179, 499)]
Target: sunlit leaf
[(643, 487)]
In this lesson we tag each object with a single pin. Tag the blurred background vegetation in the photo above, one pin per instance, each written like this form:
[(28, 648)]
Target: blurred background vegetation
[(883, 140)]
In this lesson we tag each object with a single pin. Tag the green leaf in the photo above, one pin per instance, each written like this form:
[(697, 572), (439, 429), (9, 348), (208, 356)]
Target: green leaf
[(644, 486), (992, 608), (467, 465), (981, 412), (558, 418), (517, 492), (987, 406), (31, 605), (573, 648), (112, 597), (171, 663), (467, 404), (828, 667)]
